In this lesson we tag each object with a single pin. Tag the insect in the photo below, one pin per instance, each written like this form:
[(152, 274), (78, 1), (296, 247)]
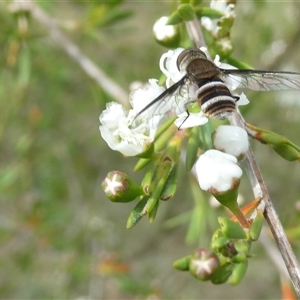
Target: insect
[(212, 85)]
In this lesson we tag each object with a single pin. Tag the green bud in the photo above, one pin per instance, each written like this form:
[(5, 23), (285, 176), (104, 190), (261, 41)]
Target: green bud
[(186, 12), (222, 274), (166, 35), (219, 243), (238, 272), (243, 251), (287, 151), (119, 187), (256, 226), (240, 257), (203, 264), (284, 147), (231, 230), (182, 264)]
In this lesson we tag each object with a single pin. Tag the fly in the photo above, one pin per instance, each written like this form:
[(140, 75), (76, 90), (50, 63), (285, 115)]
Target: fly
[(212, 85)]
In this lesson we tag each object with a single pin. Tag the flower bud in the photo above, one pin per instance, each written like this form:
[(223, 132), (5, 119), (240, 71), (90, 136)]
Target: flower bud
[(222, 274), (218, 172), (219, 243), (203, 264), (182, 264), (231, 230), (119, 187), (232, 140), (238, 272), (166, 35), (284, 147)]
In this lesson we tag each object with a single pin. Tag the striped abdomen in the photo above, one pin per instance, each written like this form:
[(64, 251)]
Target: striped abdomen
[(215, 99)]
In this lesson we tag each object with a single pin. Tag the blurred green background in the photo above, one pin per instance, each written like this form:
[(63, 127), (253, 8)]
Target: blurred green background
[(59, 235)]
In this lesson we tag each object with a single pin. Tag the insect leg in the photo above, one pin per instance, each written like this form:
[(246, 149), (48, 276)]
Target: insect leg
[(187, 111)]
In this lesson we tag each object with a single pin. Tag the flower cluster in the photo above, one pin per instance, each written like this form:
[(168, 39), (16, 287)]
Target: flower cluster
[(131, 132), (120, 128)]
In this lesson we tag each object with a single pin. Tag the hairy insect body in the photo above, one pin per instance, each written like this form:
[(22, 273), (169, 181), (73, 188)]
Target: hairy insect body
[(213, 96), (210, 86)]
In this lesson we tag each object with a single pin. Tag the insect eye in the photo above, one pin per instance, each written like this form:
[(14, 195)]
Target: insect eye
[(186, 56), (181, 57)]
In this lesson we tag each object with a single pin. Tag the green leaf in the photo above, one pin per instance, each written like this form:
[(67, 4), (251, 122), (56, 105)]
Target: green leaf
[(135, 215), (256, 225), (174, 18), (208, 12), (192, 148), (230, 229), (170, 186)]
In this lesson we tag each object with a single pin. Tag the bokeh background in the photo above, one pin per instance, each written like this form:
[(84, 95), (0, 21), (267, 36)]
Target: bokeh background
[(59, 235)]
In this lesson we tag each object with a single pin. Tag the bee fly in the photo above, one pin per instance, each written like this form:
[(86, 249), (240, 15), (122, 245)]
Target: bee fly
[(212, 83)]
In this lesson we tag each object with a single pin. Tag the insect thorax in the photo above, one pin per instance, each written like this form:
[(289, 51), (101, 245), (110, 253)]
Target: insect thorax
[(201, 69)]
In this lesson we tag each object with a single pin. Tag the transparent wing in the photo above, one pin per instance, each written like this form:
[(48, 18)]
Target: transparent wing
[(260, 80), (164, 103)]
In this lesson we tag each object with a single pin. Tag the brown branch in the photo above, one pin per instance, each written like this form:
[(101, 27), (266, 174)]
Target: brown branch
[(260, 190), (258, 186)]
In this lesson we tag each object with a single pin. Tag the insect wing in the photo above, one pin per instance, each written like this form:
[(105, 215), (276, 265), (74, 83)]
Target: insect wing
[(259, 80), (164, 103)]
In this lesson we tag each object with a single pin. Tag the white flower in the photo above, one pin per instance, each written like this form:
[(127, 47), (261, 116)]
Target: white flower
[(123, 130), (119, 133), (194, 119), (163, 31), (217, 171), (144, 95), (232, 140), (168, 65)]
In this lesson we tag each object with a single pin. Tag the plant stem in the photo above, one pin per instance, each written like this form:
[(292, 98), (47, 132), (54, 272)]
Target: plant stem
[(258, 186)]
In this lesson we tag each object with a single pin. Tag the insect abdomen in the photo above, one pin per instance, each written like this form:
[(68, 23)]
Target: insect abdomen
[(215, 99)]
